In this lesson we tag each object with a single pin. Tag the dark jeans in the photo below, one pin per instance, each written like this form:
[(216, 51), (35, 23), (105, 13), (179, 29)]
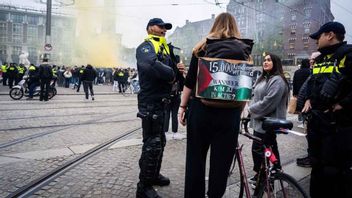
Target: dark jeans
[(86, 85), (331, 156), (79, 84), (258, 150), (217, 129), (11, 81), (32, 87), (44, 89), (173, 109)]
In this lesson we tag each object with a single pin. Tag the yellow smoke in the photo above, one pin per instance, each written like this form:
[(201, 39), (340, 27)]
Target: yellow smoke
[(96, 38)]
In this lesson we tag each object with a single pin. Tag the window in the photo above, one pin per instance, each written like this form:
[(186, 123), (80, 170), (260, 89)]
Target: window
[(306, 27), (17, 30), (16, 50), (33, 20), (292, 45), (17, 18), (307, 12), (3, 17), (293, 17), (3, 49), (32, 51), (32, 33), (3, 32)]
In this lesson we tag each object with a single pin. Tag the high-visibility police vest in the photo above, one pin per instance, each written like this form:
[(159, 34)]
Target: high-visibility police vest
[(20, 70), (120, 74), (81, 71), (12, 68), (54, 72), (328, 66), (159, 43), (32, 68), (3, 68)]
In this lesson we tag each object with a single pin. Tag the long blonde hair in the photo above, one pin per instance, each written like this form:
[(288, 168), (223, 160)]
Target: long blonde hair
[(224, 26)]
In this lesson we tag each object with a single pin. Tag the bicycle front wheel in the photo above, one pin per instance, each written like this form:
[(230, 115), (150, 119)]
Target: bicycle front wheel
[(282, 185)]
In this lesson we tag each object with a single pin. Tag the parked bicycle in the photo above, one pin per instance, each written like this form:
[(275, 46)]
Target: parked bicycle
[(271, 181), (22, 89)]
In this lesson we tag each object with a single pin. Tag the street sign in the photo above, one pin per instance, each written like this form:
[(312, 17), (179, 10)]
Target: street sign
[(48, 47)]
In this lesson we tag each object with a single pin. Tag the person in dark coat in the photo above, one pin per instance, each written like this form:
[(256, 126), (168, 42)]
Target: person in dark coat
[(45, 76), (300, 76), (88, 76)]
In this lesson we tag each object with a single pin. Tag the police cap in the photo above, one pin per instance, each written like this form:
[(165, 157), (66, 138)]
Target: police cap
[(159, 22), (331, 26)]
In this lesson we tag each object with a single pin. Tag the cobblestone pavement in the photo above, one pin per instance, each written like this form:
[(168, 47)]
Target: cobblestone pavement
[(76, 125)]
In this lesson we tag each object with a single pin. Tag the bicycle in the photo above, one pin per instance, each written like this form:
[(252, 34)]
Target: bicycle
[(271, 181)]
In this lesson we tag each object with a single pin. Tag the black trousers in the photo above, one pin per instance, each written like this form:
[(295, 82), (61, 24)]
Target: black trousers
[(154, 141), (258, 150), (44, 89), (86, 85), (213, 128), (331, 155), (4, 79), (173, 109), (79, 84), (11, 81)]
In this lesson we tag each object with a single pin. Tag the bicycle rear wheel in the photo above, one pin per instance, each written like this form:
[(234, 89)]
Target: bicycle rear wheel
[(282, 186)]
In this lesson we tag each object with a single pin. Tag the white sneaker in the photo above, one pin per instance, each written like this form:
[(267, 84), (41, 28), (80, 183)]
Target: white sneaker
[(301, 126)]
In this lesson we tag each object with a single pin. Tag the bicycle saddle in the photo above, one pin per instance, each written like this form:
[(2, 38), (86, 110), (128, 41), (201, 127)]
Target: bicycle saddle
[(271, 124)]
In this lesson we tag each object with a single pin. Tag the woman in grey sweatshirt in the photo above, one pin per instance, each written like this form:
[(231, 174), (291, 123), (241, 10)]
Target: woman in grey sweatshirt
[(270, 98)]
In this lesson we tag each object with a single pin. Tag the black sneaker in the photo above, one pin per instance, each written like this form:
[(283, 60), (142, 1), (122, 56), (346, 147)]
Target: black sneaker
[(144, 191), (304, 162), (162, 181)]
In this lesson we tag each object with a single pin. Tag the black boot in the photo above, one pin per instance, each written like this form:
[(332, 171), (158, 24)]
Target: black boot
[(146, 191), (161, 181)]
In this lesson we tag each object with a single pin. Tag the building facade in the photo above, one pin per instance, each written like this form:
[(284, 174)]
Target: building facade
[(23, 29), (189, 35), (281, 26)]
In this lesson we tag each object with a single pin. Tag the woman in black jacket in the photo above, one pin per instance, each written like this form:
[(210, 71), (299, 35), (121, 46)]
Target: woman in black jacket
[(209, 126), (88, 76)]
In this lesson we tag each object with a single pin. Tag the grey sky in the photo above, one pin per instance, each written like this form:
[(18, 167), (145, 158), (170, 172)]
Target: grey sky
[(133, 15)]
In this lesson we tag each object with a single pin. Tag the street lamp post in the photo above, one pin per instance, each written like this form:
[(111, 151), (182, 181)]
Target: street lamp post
[(48, 29)]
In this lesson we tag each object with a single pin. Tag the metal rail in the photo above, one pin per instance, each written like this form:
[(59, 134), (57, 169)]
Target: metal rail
[(38, 183)]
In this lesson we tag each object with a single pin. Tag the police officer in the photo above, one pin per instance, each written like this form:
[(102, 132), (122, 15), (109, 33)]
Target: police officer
[(157, 71), (21, 71), (12, 74), (4, 74), (45, 76), (33, 80), (80, 73), (330, 106)]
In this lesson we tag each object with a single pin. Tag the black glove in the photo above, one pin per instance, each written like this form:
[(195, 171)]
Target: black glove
[(329, 90)]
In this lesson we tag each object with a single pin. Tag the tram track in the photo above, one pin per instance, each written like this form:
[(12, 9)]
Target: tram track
[(38, 183), (65, 126), (74, 107)]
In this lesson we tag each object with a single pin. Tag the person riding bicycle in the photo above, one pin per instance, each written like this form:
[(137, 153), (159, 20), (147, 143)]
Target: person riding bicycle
[(33, 80), (270, 98)]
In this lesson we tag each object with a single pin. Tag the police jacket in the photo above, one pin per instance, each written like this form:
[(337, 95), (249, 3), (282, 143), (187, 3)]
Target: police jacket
[(326, 66), (89, 74), (45, 72), (155, 70), (33, 73), (12, 71)]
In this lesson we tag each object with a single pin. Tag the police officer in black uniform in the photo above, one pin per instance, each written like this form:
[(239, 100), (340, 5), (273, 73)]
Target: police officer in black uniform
[(157, 70), (330, 106), (45, 76)]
